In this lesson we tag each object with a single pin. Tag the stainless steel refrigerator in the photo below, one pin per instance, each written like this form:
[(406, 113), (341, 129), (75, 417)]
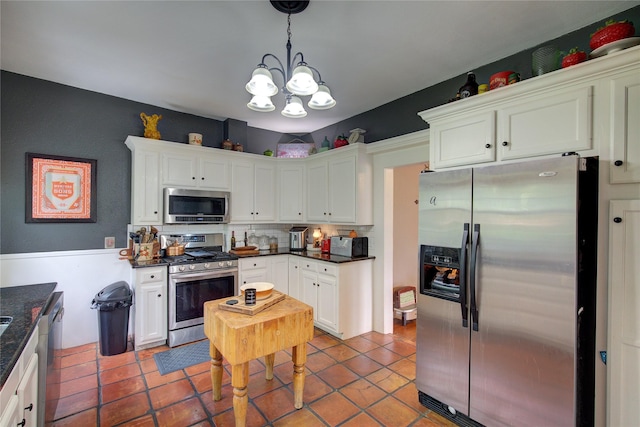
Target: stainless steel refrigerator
[(506, 302)]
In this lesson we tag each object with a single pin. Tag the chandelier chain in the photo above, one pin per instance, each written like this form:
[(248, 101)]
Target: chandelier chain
[(289, 28)]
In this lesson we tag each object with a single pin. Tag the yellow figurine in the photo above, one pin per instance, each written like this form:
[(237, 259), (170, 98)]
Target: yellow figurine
[(151, 125)]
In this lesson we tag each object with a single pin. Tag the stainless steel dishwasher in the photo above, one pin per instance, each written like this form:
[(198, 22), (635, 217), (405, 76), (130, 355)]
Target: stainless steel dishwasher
[(49, 349)]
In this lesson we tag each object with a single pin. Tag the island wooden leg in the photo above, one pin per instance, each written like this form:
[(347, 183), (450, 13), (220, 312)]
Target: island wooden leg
[(299, 357), (269, 359), (216, 372), (239, 381)]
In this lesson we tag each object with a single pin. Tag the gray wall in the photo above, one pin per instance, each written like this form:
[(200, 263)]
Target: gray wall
[(48, 118)]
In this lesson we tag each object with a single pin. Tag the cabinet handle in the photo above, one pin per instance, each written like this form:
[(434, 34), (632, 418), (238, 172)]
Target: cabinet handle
[(193, 177), (159, 295), (324, 213), (487, 146), (202, 178), (617, 220), (618, 163), (22, 423), (504, 144), (29, 408), (257, 213), (155, 212), (329, 213), (153, 277)]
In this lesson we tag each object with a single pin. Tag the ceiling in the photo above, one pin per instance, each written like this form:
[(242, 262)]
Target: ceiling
[(197, 56)]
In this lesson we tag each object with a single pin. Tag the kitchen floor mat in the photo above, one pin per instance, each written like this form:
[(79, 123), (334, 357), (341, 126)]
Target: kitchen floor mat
[(182, 357)]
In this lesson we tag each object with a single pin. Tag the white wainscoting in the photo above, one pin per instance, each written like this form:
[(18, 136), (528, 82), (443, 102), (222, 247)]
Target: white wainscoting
[(80, 275)]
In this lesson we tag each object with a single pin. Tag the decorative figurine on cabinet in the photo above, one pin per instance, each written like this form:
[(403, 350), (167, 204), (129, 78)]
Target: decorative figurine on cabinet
[(151, 125)]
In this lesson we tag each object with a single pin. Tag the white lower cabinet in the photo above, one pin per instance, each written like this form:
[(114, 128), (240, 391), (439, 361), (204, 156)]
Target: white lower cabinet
[(295, 277), (340, 294), (272, 268), (11, 416), (150, 307), (279, 272), (19, 394), (319, 290), (254, 269), (623, 348), (28, 393)]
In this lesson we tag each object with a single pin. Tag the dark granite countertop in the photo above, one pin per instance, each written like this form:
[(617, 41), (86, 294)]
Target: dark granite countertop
[(156, 262), (24, 304), (337, 259)]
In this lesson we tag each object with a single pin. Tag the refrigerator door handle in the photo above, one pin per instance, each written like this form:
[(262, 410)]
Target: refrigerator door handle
[(463, 275), (472, 276)]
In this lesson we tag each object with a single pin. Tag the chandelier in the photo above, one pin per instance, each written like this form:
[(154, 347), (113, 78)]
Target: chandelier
[(301, 82)]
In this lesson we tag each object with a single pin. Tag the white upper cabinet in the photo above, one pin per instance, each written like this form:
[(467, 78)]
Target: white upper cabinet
[(146, 191), (253, 191), (339, 186), (195, 170), (590, 108), (625, 127), (546, 124), (291, 186), (468, 139), (335, 186), (536, 124)]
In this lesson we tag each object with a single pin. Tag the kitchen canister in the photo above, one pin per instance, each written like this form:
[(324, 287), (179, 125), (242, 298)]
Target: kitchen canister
[(545, 59)]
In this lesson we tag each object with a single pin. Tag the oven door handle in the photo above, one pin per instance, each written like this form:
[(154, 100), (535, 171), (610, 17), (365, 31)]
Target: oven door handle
[(203, 274)]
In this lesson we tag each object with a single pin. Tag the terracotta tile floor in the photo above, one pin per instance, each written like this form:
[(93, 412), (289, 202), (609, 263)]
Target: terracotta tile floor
[(364, 381)]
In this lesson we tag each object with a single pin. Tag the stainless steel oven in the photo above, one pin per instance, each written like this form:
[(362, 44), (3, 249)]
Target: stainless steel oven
[(188, 292), (202, 274)]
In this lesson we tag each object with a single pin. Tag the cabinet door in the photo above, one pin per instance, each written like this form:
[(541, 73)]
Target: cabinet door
[(342, 190), (213, 174), (28, 392), (623, 353), (242, 188), (291, 188), (251, 270), (294, 278), (265, 192), (317, 192), (310, 291), (548, 124), (625, 128), (465, 140), (179, 170), (146, 191), (11, 414), (279, 272), (151, 312), (327, 303)]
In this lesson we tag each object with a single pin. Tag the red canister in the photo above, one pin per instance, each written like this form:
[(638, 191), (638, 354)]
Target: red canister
[(325, 246), (499, 79)]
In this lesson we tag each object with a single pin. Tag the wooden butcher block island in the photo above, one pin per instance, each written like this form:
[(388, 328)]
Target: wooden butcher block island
[(241, 337)]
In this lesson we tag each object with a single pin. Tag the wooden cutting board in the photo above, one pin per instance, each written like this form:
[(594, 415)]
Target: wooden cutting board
[(245, 252), (260, 305)]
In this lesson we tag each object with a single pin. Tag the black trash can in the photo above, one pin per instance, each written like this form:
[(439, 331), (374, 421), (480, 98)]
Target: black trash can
[(113, 303)]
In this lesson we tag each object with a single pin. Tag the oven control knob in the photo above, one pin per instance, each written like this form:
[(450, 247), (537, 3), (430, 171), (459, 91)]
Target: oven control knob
[(206, 265), (192, 267), (229, 263), (221, 264), (181, 268)]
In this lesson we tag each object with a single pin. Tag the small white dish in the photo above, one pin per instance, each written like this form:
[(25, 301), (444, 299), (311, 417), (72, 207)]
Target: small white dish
[(615, 46), (263, 289)]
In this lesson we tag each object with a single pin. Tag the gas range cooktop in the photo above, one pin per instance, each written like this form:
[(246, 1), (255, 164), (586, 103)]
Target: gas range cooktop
[(200, 260)]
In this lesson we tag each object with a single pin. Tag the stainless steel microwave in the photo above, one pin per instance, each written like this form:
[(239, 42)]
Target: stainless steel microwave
[(184, 206)]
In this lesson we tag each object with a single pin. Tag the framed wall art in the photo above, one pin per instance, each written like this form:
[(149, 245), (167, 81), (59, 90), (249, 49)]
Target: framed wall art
[(60, 189)]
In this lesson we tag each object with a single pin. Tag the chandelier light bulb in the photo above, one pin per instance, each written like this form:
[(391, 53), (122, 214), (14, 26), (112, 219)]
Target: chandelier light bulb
[(261, 83), (322, 99), (302, 82), (261, 104), (294, 108)]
